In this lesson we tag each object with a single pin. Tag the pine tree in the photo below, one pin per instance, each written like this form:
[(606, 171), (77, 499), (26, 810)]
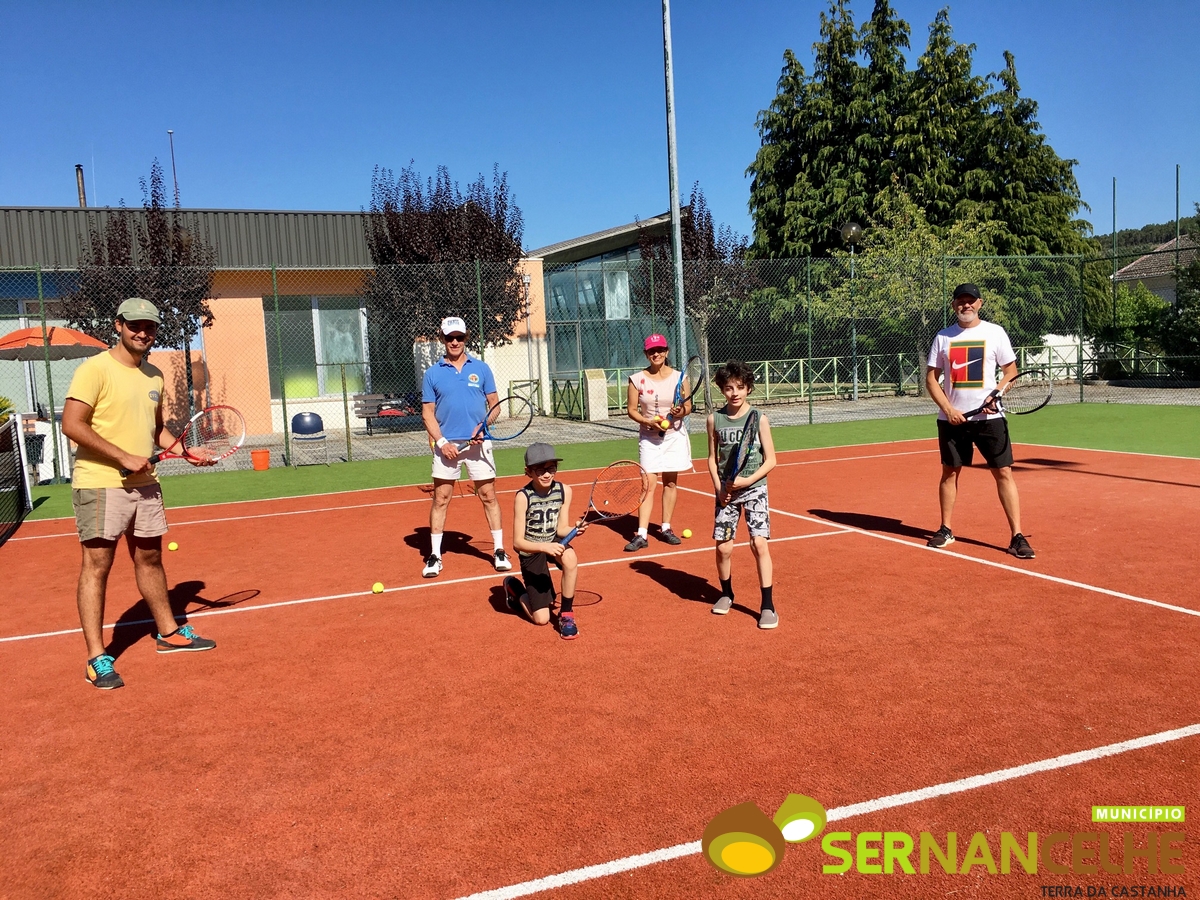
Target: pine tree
[(885, 37)]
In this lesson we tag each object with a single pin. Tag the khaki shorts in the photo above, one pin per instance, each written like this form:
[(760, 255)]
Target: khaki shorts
[(108, 513)]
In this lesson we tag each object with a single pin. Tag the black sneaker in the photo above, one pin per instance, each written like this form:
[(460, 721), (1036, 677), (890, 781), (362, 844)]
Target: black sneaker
[(101, 674), (670, 537), (183, 639), (638, 543), (513, 589), (1019, 547), (943, 537)]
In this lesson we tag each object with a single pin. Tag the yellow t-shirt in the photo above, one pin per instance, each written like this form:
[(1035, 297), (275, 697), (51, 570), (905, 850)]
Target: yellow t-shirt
[(124, 404)]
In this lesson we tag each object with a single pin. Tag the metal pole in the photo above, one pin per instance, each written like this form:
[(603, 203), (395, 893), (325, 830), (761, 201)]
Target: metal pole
[(174, 177), (853, 324), (673, 177), (653, 320), (1177, 215), (287, 449), (527, 280), (479, 302), (1082, 297), (58, 476), (808, 309), (83, 193), (346, 414), (1114, 262)]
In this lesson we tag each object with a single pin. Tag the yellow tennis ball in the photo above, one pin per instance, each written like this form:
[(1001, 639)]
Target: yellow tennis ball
[(687, 532), (172, 546), (377, 587)]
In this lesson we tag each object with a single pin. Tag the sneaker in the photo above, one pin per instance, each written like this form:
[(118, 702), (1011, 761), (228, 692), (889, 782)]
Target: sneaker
[(768, 618), (1019, 547), (722, 606), (943, 537), (670, 537), (501, 561), (433, 566), (638, 543), (567, 629), (183, 639), (513, 589), (100, 672)]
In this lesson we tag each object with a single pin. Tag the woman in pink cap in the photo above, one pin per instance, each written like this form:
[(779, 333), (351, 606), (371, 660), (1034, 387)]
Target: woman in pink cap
[(664, 452)]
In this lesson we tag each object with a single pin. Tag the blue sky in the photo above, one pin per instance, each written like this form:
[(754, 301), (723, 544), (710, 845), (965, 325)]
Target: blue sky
[(289, 106)]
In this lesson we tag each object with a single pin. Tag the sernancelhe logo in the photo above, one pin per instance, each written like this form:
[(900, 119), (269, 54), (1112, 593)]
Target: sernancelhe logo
[(742, 841)]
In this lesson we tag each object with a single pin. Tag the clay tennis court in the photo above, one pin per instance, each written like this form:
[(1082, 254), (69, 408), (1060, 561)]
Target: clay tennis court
[(425, 742)]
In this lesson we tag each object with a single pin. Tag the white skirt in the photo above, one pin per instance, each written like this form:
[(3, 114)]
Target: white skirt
[(670, 453)]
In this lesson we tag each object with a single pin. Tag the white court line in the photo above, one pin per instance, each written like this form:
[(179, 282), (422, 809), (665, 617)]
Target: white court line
[(429, 584), (1030, 573), (321, 509), (574, 876)]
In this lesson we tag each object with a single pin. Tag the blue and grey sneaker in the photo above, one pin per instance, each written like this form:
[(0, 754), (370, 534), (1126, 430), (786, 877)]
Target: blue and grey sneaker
[(183, 639), (100, 672), (567, 629)]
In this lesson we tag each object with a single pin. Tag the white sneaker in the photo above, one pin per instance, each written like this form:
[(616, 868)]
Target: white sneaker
[(501, 561), (433, 566)]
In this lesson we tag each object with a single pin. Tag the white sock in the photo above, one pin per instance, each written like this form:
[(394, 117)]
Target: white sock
[(498, 539), (435, 541), (642, 532), (666, 526)]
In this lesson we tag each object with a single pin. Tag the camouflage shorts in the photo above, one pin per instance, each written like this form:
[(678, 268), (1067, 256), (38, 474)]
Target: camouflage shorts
[(758, 514)]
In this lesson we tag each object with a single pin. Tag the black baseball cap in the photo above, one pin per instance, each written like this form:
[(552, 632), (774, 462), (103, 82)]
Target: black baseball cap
[(968, 289)]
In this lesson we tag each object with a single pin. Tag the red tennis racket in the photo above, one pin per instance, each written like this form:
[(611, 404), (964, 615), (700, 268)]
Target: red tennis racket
[(210, 436)]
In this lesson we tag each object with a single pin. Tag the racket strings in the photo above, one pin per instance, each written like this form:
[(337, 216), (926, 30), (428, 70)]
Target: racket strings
[(1026, 393), (509, 418), (693, 377), (618, 490), (217, 432)]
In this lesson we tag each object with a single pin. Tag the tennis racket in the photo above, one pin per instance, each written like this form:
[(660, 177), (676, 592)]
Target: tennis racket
[(741, 454), (210, 435), (1028, 392), (507, 419), (690, 381), (617, 491)]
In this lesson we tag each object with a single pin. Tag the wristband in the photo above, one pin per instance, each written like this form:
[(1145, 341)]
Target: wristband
[(441, 442)]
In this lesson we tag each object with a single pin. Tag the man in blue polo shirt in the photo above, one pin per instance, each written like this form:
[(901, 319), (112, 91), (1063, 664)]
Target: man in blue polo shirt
[(456, 395)]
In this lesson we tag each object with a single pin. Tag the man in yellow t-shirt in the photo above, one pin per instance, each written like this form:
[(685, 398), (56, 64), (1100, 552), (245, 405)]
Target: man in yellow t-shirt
[(113, 412)]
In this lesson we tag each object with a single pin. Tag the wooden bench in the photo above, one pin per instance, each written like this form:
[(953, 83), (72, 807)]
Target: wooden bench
[(391, 412)]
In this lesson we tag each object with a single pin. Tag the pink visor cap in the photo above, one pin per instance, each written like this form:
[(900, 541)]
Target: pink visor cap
[(656, 340)]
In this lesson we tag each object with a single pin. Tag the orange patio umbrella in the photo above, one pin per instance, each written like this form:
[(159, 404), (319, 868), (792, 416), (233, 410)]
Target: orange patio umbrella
[(65, 343)]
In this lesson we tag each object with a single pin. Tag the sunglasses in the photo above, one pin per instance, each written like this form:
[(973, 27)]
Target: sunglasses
[(656, 350), (455, 338), (545, 468)]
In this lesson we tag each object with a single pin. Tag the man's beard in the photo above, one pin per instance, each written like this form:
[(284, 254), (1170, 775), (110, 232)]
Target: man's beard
[(967, 316)]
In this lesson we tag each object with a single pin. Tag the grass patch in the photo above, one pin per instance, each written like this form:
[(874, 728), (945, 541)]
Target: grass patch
[(1170, 430)]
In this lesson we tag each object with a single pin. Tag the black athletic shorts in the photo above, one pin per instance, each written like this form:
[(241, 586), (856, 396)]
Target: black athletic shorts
[(958, 442), (535, 572)]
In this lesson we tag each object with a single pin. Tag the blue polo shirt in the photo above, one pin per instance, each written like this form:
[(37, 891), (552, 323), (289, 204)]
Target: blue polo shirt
[(460, 397)]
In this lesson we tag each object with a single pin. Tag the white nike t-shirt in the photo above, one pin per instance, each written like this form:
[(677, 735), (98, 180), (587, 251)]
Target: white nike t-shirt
[(969, 359)]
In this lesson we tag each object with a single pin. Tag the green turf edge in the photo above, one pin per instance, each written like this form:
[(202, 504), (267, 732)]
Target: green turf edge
[(1168, 430)]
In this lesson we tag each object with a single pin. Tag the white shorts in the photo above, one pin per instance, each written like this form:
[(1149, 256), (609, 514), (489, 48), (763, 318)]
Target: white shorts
[(477, 458), (673, 453)]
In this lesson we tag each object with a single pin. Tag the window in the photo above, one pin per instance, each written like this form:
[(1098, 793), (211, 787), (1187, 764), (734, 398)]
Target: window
[(311, 340)]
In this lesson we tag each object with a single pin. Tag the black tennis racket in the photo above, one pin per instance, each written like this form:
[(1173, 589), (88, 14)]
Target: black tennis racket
[(1028, 392), (691, 380), (209, 436), (507, 419), (741, 453), (617, 491)]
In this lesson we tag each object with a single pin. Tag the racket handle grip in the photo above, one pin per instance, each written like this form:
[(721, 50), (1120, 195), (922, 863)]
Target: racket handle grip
[(570, 536), (125, 473)]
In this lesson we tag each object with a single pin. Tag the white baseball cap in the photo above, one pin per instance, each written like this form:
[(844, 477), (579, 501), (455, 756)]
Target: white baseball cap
[(453, 325)]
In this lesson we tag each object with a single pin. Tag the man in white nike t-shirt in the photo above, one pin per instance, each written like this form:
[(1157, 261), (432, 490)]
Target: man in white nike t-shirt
[(968, 353)]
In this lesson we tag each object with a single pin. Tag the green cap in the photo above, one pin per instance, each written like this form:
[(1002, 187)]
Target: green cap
[(135, 309)]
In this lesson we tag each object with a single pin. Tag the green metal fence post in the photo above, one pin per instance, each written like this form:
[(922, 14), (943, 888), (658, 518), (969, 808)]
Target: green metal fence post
[(346, 413), (653, 321), (287, 449), (58, 468), (945, 321), (1082, 300), (808, 309), (479, 302)]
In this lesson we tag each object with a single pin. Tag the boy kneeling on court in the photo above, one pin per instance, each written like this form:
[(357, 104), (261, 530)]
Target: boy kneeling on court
[(740, 455), (542, 515)]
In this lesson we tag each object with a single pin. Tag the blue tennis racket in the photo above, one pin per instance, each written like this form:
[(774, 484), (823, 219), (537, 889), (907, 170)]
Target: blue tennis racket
[(506, 420)]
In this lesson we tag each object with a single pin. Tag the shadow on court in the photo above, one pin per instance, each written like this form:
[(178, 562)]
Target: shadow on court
[(1063, 465), (684, 585), (453, 542), (187, 596), (887, 525)]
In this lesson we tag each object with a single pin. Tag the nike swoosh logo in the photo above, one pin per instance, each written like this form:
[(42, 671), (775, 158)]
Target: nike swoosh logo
[(955, 365)]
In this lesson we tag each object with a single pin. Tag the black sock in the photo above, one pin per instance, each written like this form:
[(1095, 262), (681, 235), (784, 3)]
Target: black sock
[(727, 587), (767, 602), (567, 603)]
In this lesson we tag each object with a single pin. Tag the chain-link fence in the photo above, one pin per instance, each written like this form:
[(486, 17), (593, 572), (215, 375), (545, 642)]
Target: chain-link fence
[(829, 339)]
